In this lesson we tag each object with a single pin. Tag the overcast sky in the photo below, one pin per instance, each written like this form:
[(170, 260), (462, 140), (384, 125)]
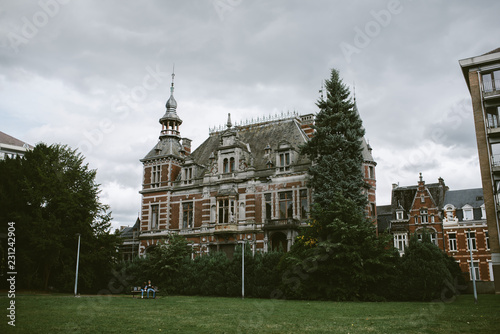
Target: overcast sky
[(95, 75)]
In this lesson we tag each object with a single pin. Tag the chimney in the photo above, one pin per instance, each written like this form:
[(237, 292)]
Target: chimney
[(186, 144)]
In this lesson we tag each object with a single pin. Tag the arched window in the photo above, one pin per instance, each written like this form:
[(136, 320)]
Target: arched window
[(225, 166), (231, 165)]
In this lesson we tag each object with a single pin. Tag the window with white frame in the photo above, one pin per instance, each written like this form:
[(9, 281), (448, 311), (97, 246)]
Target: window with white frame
[(400, 241), (483, 212), (474, 268), (399, 214), (432, 235), (468, 213), (471, 240), (452, 241), (487, 240), (424, 216)]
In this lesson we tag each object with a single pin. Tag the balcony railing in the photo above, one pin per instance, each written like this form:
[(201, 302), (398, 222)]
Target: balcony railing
[(491, 87), (281, 223)]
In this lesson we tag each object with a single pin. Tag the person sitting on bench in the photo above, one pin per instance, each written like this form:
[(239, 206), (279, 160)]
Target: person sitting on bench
[(151, 288), (144, 288)]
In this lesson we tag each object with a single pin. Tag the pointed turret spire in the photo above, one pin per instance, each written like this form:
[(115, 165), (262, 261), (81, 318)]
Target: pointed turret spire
[(172, 103), (170, 121)]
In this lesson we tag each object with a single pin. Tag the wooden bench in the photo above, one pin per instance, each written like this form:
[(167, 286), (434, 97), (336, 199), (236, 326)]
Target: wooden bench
[(136, 290)]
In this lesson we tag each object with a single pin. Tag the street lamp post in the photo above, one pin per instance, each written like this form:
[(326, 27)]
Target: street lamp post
[(472, 268), (77, 262), (243, 270)]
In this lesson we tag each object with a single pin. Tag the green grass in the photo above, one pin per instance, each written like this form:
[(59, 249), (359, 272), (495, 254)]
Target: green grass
[(176, 314)]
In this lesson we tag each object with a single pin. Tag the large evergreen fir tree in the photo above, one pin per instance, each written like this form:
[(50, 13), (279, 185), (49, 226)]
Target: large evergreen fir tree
[(338, 256), (336, 149)]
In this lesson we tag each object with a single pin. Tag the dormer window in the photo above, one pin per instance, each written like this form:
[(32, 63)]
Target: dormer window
[(399, 215), (284, 161), (267, 150), (449, 212), (483, 211), (284, 157), (228, 165), (468, 214), (188, 175)]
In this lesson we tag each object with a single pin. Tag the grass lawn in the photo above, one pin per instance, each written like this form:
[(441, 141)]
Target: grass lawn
[(179, 314)]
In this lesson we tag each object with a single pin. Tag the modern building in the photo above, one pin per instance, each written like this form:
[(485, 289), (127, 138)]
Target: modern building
[(454, 219), (482, 76), (244, 183), (12, 147)]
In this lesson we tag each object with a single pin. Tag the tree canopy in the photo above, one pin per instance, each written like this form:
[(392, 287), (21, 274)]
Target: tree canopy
[(51, 195)]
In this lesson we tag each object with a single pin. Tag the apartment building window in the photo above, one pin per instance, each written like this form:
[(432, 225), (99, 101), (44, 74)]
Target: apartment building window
[(474, 267), (286, 204), (304, 206), (400, 241), (468, 213), (155, 176), (483, 212), (155, 215), (371, 172), (452, 242), (471, 240), (492, 115), (187, 215), (399, 215), (226, 210), (491, 81), (432, 236), (424, 216), (487, 240)]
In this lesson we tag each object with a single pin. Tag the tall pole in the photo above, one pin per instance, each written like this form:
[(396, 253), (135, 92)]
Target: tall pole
[(472, 268), (77, 262), (243, 270)]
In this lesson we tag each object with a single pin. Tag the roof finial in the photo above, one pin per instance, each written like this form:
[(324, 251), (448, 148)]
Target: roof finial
[(420, 177), (173, 75), (229, 124)]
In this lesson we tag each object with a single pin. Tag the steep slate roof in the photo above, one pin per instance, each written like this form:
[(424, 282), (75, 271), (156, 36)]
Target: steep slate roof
[(404, 195), (257, 137), (459, 198), (165, 147)]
